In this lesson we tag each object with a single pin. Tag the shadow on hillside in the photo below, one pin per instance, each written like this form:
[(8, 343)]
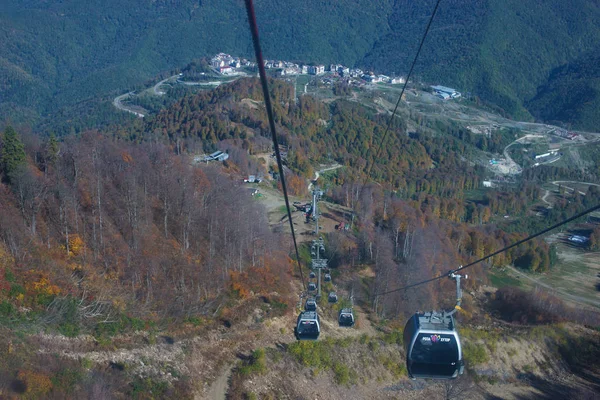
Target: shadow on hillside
[(551, 389), (581, 380)]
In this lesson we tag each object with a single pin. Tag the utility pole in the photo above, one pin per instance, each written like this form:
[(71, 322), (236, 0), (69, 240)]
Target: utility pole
[(317, 193), (318, 263)]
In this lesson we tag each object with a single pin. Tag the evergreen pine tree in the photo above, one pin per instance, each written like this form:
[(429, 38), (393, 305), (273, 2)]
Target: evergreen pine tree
[(52, 150), (13, 152)]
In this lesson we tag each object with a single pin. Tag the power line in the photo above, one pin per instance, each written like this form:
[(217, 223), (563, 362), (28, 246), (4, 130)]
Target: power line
[(263, 79), (528, 238)]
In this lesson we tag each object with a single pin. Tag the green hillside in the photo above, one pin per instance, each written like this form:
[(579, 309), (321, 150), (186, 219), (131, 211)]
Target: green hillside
[(54, 54), (501, 51), (571, 95)]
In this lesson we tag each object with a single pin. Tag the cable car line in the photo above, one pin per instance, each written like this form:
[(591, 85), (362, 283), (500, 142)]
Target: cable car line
[(432, 343), (528, 238), (263, 80), (387, 128), (566, 221)]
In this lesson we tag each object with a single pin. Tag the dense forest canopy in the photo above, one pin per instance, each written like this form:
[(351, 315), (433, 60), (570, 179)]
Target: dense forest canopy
[(119, 232), (130, 269), (56, 55), (572, 94)]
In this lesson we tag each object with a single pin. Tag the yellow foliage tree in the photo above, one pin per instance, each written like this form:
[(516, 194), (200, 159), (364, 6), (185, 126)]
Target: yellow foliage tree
[(37, 385)]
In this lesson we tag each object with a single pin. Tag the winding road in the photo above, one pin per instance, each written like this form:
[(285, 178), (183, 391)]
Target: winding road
[(117, 102), (319, 172), (546, 201), (156, 88), (560, 183)]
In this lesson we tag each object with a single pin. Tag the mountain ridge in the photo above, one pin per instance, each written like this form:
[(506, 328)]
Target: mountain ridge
[(56, 54)]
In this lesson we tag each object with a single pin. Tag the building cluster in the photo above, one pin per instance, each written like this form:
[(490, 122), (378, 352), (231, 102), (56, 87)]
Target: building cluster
[(549, 154), (216, 156), (578, 239), (566, 134), (226, 64), (445, 93)]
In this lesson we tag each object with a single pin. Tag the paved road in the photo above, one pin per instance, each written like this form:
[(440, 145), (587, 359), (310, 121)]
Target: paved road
[(560, 183), (117, 102), (156, 88)]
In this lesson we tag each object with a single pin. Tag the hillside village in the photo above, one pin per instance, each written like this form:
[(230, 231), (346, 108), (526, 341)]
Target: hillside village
[(226, 64)]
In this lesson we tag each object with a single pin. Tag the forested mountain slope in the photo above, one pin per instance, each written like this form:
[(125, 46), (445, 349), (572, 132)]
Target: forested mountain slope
[(500, 50), (572, 94), (55, 54), (158, 272)]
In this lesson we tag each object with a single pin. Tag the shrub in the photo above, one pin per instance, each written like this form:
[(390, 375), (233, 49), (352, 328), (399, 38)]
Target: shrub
[(475, 353), (341, 373), (37, 385), (196, 321), (16, 290), (69, 329), (256, 365), (66, 379), (312, 354), (398, 369), (517, 305), (148, 388), (6, 309), (395, 336)]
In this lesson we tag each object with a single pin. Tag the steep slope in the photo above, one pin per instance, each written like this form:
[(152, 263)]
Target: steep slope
[(571, 95), (57, 53), (499, 50)]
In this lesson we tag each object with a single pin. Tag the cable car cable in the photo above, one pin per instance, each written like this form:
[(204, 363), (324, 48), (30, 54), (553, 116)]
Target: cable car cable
[(566, 221), (387, 128), (265, 87), (528, 238)]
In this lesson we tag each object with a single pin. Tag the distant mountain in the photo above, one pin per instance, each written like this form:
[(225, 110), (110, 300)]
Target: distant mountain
[(54, 54), (571, 95), (500, 50)]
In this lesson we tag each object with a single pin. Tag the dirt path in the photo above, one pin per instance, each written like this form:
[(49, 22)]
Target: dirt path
[(513, 167), (545, 197), (319, 172), (218, 390), (576, 299)]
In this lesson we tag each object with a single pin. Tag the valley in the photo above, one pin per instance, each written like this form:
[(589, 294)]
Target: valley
[(145, 246)]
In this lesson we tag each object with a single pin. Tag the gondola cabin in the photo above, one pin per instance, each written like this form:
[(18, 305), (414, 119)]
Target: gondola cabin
[(327, 278), (332, 298), (346, 317), (310, 305), (312, 275), (312, 287), (308, 326), (432, 346)]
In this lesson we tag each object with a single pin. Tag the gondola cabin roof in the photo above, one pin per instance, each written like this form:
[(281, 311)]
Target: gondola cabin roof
[(306, 315), (435, 321)]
